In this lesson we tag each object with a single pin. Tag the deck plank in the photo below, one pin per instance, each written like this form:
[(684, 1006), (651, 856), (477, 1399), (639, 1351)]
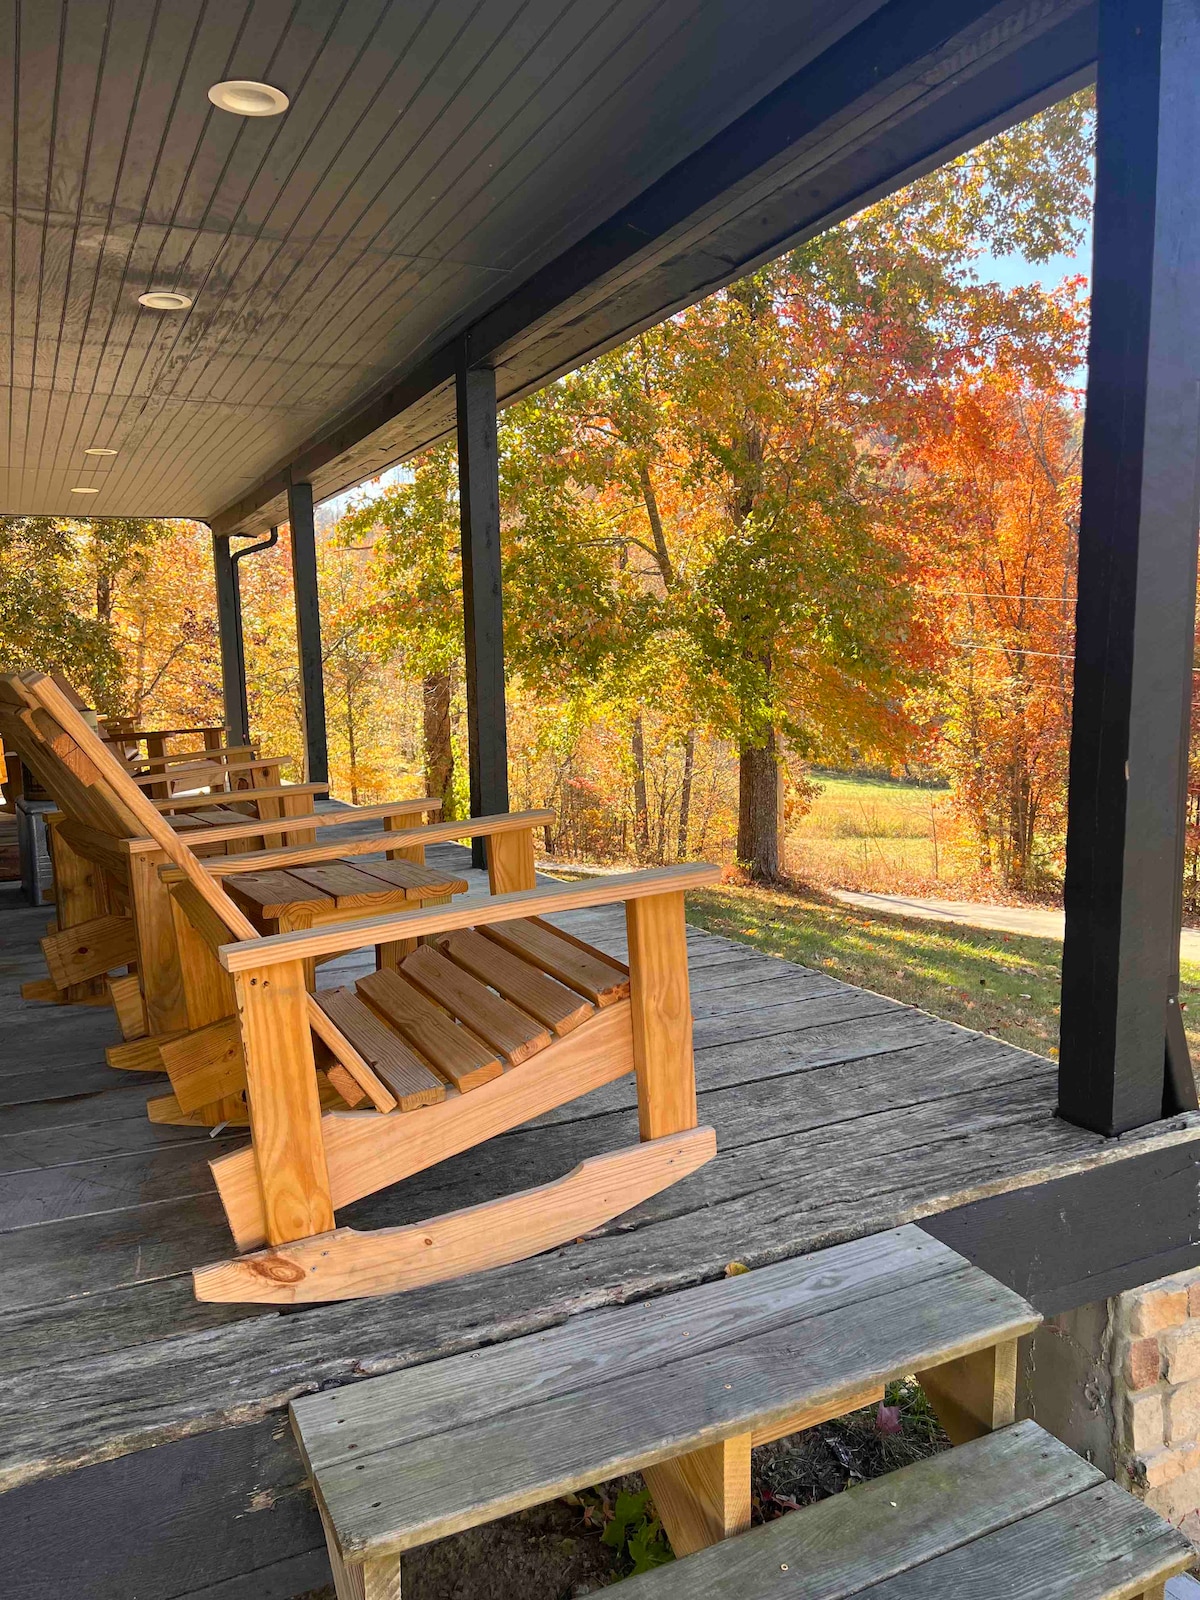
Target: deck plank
[(839, 1113)]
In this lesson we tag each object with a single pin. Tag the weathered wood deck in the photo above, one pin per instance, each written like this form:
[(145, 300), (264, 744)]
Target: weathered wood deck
[(838, 1113)]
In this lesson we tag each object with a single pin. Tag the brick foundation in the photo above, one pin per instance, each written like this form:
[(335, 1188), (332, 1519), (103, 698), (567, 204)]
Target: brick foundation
[(1119, 1381)]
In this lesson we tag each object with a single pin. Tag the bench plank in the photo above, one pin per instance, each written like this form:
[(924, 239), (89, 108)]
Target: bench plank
[(871, 1533), (565, 959), (723, 1365), (405, 1074), (462, 1059)]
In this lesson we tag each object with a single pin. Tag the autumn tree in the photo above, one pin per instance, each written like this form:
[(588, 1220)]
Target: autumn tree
[(1006, 476), (415, 570)]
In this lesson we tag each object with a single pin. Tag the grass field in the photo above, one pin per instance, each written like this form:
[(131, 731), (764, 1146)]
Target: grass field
[(870, 834), (1003, 984)]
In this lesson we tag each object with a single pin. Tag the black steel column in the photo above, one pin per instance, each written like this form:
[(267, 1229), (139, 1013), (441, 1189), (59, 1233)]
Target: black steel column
[(483, 612), (229, 625), (308, 630), (1123, 1057)]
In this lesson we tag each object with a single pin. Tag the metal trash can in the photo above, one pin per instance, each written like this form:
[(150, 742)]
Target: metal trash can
[(33, 849)]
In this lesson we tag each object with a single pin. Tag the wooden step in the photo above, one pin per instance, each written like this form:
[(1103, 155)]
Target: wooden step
[(1013, 1514), (411, 1457)]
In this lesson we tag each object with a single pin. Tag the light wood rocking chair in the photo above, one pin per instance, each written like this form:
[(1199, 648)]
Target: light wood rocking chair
[(493, 1016)]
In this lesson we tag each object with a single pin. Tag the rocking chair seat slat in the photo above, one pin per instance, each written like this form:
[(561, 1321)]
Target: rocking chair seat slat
[(405, 1074), (460, 1057), (496, 1022), (582, 970), (526, 986)]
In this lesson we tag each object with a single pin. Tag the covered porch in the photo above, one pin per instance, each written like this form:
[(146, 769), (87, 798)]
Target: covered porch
[(452, 215)]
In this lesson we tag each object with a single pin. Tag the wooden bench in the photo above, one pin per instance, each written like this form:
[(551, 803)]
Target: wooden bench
[(1010, 1515), (679, 1388)]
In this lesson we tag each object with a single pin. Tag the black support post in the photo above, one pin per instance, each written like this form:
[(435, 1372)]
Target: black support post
[(229, 626), (483, 613), (1123, 1059), (308, 630)]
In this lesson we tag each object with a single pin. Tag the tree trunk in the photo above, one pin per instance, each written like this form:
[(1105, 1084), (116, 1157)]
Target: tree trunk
[(439, 746), (758, 809), (352, 743), (641, 810), (685, 796)]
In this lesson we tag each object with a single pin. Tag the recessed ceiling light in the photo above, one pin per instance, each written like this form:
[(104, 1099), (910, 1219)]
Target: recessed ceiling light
[(165, 300), (85, 491), (98, 450), (245, 98)]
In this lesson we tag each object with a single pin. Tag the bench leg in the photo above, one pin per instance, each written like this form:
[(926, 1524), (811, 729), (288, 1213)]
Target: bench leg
[(704, 1496), (975, 1394), (373, 1580), (510, 862)]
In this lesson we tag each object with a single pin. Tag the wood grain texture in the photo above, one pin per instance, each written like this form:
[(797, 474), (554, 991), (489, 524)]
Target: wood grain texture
[(974, 1394), (455, 1053), (662, 1015), (499, 1024), (703, 1496), (206, 1064), (375, 844), (510, 861), (126, 996), (571, 962), (713, 1369), (159, 968), (896, 1527), (347, 1265), (285, 1112), (90, 949), (405, 1074), (478, 908), (364, 1154), (527, 986)]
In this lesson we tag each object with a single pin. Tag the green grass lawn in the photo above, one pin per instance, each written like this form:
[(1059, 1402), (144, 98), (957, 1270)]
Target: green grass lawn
[(999, 983), (870, 833)]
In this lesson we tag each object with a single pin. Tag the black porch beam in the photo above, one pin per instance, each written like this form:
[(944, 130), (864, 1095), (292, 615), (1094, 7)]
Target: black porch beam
[(229, 627), (1123, 1058), (308, 630), (483, 611)]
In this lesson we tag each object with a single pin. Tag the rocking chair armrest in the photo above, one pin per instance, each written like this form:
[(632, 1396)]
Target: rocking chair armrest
[(265, 860), (213, 766), (200, 802), (374, 844), (466, 911), (181, 757)]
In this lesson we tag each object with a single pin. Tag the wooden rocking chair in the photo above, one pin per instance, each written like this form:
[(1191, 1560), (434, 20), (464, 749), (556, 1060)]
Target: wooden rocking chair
[(111, 907), (492, 1016)]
